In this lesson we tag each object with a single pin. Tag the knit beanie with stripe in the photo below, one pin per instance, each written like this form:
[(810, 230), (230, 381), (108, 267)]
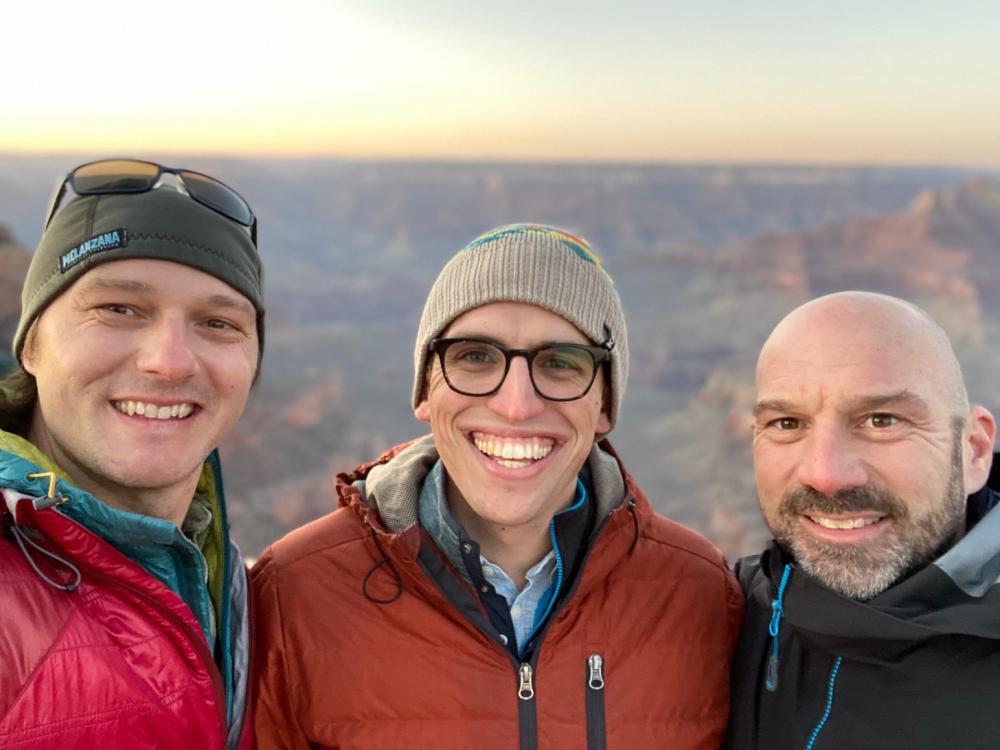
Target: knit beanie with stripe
[(539, 265)]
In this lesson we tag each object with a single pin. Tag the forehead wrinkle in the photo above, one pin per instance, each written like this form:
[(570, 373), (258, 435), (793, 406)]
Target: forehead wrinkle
[(113, 284), (901, 398), (772, 404)]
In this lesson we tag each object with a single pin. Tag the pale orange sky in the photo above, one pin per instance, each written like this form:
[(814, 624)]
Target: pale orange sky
[(887, 82)]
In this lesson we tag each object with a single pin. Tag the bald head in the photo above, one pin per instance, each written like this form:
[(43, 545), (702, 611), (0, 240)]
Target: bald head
[(850, 327), (865, 446)]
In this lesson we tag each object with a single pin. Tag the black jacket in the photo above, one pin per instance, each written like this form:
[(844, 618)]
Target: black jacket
[(916, 668)]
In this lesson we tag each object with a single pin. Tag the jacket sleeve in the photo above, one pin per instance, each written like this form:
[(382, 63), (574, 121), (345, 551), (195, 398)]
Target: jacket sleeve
[(276, 725)]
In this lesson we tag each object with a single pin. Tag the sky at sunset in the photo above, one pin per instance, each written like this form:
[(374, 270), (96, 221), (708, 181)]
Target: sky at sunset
[(856, 82)]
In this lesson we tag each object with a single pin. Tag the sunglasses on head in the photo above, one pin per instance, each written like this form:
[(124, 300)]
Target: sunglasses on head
[(114, 176)]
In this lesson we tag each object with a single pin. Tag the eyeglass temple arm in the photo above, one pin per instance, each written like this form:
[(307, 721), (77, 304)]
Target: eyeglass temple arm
[(57, 196)]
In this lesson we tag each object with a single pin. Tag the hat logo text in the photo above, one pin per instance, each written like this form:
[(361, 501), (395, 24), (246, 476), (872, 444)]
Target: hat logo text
[(96, 244)]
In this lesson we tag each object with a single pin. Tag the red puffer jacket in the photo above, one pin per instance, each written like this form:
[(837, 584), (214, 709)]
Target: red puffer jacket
[(369, 639), (116, 661)]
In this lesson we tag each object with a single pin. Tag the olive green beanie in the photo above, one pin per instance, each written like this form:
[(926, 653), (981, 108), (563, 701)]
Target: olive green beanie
[(161, 224), (539, 265)]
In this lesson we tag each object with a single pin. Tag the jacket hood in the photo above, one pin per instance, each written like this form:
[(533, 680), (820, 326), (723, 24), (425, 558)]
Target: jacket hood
[(956, 595), (389, 488)]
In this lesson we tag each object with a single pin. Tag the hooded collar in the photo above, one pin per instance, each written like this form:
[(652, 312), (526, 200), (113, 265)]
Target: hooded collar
[(956, 595)]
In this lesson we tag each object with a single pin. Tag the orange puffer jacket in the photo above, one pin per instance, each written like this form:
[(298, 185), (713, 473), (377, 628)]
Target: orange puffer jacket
[(370, 639)]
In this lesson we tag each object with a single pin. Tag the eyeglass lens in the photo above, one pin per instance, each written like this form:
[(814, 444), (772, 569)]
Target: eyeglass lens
[(558, 372)]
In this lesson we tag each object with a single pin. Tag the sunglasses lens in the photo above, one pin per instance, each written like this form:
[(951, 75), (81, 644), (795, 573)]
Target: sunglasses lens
[(218, 196), (114, 176)]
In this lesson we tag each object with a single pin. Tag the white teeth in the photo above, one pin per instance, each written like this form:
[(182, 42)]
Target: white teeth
[(847, 523), (152, 411), (513, 452)]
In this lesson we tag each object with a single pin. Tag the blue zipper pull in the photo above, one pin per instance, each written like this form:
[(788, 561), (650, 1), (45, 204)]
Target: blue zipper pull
[(774, 628)]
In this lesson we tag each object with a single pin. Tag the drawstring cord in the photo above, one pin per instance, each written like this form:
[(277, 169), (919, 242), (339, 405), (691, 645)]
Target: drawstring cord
[(771, 682), (635, 525), (22, 539), (51, 500), (395, 574), (774, 627)]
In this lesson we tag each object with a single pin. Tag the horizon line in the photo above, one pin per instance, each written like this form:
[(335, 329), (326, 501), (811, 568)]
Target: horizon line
[(623, 161)]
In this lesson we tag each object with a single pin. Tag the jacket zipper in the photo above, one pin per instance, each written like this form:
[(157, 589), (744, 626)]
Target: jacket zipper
[(596, 734), (527, 716)]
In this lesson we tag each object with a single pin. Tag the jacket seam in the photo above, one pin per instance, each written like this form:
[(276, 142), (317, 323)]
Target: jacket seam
[(717, 564), (43, 658), (286, 560)]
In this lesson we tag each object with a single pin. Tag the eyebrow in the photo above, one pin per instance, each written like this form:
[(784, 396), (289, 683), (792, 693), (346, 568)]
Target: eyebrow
[(872, 402), (131, 285)]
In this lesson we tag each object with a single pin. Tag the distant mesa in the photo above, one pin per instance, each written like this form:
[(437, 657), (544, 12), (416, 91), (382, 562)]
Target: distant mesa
[(942, 250), (14, 260)]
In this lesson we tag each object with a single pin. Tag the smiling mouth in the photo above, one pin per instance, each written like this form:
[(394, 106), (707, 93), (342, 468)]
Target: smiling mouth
[(154, 411), (513, 453), (843, 524)]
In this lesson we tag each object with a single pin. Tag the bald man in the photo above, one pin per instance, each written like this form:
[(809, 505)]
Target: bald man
[(873, 618)]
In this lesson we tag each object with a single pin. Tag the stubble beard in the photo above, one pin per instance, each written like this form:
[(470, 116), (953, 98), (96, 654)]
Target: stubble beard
[(863, 571)]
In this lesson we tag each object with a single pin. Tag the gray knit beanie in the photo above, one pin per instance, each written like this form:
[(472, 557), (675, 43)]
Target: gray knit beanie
[(161, 224), (531, 263)]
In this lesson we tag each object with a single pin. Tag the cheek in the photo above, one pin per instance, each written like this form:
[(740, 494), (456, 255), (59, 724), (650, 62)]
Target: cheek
[(773, 467)]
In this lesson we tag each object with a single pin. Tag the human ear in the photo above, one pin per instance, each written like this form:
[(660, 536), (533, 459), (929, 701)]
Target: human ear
[(423, 411), (977, 450)]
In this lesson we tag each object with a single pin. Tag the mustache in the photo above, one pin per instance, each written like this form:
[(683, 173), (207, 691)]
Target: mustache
[(803, 500)]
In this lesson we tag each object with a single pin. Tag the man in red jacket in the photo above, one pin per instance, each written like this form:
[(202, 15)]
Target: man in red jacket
[(124, 613), (503, 582)]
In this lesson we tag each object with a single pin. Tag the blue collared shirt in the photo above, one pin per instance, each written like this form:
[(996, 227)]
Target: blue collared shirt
[(445, 530)]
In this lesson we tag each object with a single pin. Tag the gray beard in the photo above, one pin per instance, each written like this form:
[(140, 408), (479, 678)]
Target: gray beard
[(864, 571)]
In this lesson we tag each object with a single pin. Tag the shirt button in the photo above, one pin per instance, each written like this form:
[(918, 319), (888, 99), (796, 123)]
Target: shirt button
[(467, 548), (488, 572), (515, 611), (484, 588), (503, 639)]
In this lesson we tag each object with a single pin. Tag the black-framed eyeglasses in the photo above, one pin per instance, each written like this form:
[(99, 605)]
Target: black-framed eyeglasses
[(559, 372), (111, 176)]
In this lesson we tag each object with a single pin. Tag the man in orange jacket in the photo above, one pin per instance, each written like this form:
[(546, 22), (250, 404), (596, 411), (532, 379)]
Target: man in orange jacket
[(503, 582)]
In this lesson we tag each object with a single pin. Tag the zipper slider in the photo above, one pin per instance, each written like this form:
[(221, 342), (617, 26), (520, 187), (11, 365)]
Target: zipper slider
[(525, 690), (596, 664)]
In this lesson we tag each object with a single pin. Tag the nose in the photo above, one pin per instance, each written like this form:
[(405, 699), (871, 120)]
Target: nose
[(517, 400), (831, 461), (166, 351)]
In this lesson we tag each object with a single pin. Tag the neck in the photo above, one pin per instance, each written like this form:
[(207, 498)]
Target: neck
[(166, 503), (515, 549)]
